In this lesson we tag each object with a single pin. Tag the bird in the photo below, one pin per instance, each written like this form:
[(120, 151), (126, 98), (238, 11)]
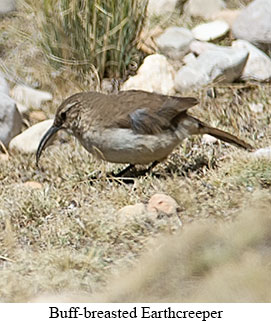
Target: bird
[(132, 127)]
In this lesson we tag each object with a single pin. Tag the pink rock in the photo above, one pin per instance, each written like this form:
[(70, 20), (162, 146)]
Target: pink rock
[(33, 185), (162, 203), (4, 157)]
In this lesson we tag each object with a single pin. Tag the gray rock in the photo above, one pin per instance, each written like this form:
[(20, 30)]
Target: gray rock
[(174, 42), (258, 66), (262, 153), (10, 119), (211, 30), (224, 65), (198, 47), (254, 24), (29, 97), (155, 75), (189, 58), (28, 141), (203, 8), (4, 87), (7, 6), (161, 7)]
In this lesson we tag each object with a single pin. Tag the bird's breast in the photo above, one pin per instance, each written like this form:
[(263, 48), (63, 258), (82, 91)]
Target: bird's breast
[(125, 146)]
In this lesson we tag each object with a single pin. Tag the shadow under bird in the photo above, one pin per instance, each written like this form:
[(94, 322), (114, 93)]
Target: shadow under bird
[(131, 127)]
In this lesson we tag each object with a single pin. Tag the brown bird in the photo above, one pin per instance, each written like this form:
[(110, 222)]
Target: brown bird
[(133, 127)]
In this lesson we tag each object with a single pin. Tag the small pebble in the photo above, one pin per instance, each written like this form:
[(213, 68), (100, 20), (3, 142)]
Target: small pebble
[(33, 184), (256, 107), (162, 203), (37, 115), (262, 153), (4, 157)]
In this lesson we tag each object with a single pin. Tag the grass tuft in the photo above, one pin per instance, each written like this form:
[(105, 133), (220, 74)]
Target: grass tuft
[(90, 35)]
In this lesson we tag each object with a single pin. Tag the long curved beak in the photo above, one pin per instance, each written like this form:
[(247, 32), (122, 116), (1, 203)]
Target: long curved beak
[(44, 141)]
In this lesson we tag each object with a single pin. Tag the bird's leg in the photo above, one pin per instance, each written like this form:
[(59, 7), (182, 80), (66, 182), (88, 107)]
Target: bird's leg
[(147, 170), (155, 163), (138, 173), (125, 170), (129, 168), (119, 174)]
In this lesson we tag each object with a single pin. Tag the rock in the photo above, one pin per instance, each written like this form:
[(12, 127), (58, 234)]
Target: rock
[(253, 24), (258, 66), (225, 64), (174, 42), (209, 140), (37, 116), (203, 8), (262, 153), (256, 107), (155, 75), (162, 203), (33, 185), (4, 88), (227, 15), (199, 47), (130, 212), (30, 97), (7, 6), (28, 141), (4, 157), (21, 108), (10, 119), (211, 30), (189, 58), (161, 7)]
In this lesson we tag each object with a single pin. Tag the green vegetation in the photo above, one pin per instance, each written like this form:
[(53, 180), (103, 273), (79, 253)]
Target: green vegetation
[(90, 34)]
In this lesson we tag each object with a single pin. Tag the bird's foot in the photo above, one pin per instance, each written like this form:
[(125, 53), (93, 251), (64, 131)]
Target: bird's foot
[(126, 175)]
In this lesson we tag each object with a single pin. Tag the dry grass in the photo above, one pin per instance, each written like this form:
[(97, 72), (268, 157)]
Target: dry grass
[(222, 262), (66, 238), (89, 36), (204, 263)]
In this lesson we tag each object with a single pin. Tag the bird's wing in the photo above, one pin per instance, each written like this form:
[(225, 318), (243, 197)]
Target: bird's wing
[(142, 121), (150, 113)]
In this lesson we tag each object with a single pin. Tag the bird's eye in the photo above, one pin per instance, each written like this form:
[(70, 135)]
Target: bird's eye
[(63, 115)]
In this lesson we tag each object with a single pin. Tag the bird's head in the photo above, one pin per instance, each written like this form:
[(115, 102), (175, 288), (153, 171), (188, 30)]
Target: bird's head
[(66, 118)]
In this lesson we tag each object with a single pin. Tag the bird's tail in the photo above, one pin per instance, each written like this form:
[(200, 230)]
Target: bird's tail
[(223, 135)]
